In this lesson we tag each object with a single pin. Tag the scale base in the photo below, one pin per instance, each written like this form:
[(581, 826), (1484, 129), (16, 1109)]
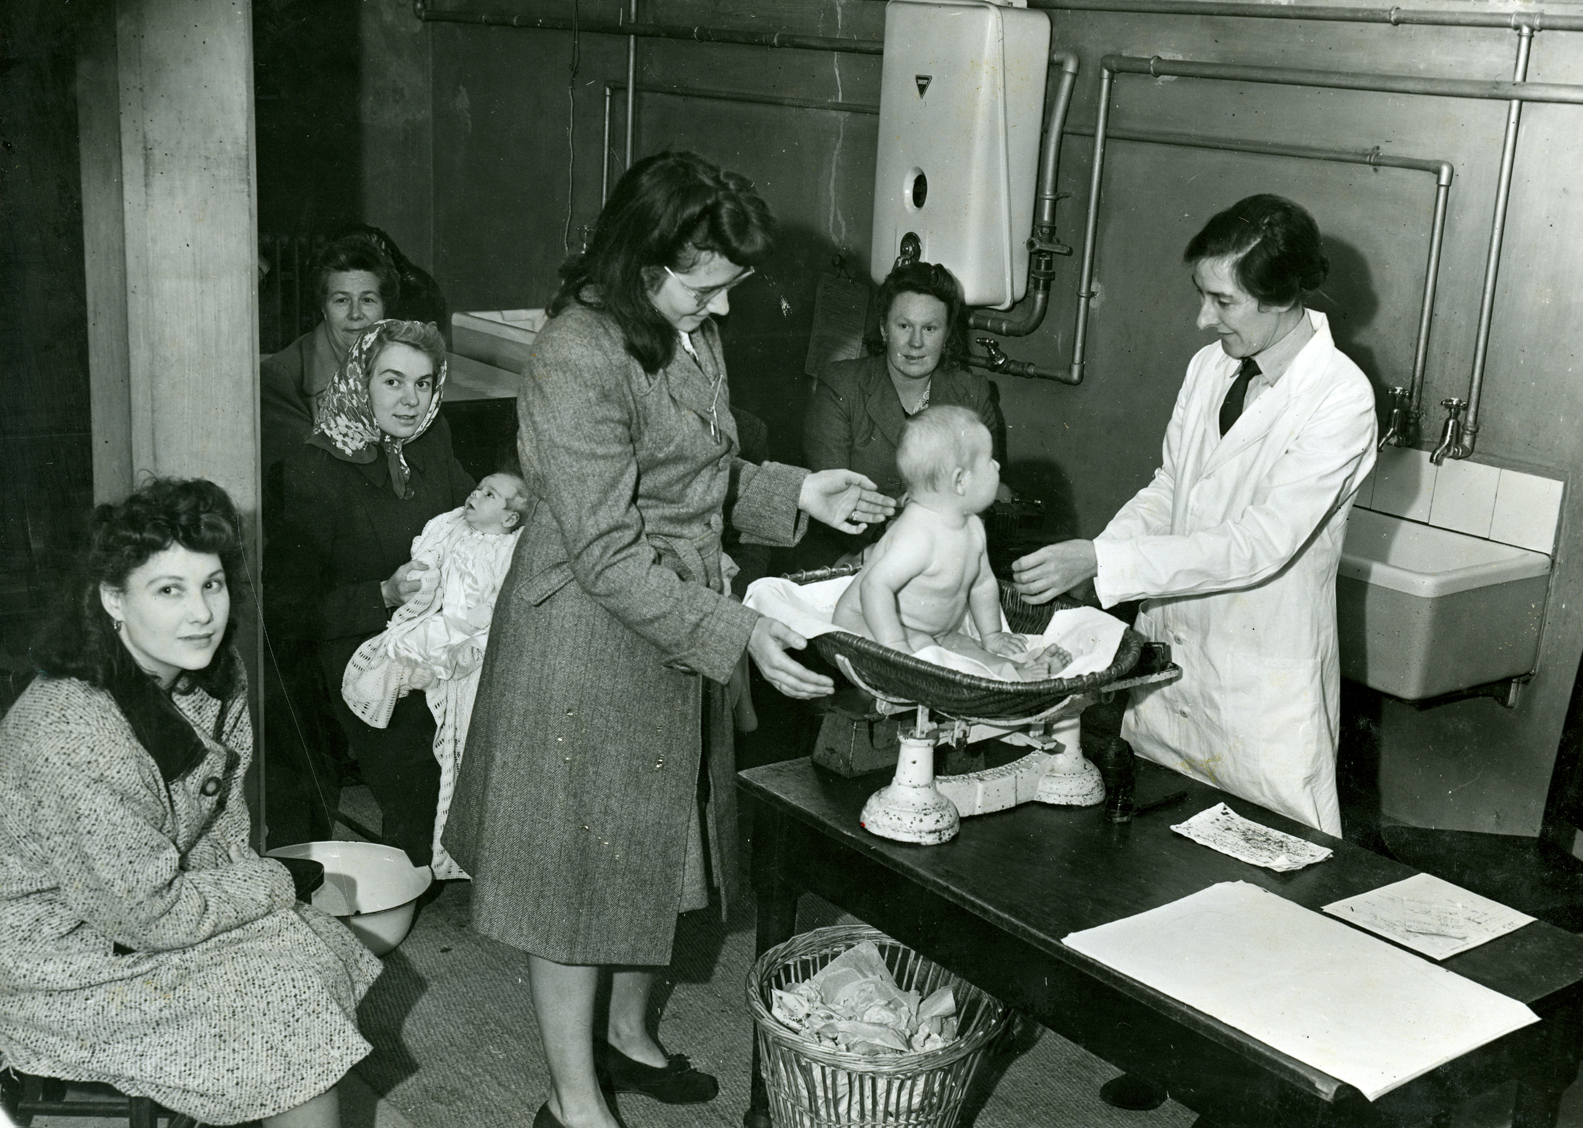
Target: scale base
[(906, 813), (1071, 781)]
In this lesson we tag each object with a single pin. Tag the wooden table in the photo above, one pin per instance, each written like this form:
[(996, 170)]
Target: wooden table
[(993, 904)]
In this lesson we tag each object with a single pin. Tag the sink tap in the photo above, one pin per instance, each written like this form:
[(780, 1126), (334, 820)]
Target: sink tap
[(1396, 424), (1451, 437)]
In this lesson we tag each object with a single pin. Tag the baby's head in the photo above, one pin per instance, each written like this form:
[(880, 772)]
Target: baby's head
[(945, 453), (497, 505)]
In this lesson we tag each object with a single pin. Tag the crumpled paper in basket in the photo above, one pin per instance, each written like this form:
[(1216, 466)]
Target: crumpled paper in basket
[(853, 1004)]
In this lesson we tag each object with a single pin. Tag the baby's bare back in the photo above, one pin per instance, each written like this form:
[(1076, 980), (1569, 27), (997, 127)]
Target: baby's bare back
[(943, 564)]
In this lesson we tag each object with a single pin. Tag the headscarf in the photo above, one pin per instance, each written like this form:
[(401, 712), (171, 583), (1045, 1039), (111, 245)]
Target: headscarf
[(343, 420)]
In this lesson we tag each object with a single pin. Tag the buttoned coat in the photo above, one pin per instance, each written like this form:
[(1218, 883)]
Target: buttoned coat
[(133, 951), (578, 792), (1235, 545)]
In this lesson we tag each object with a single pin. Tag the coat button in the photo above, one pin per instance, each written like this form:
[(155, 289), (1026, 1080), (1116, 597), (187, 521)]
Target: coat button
[(211, 786)]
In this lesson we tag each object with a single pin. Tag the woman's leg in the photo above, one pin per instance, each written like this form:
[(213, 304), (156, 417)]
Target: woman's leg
[(628, 1029), (563, 1001), (323, 1111)]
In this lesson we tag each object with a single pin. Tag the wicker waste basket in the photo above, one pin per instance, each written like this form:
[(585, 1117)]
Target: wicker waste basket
[(814, 1087)]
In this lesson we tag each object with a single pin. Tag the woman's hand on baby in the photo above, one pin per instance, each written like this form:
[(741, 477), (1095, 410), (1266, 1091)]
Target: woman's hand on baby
[(403, 584), (844, 499), (1006, 644), (768, 644)]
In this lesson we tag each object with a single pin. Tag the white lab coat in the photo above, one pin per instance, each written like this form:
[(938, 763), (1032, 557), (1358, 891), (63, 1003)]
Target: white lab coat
[(1235, 545)]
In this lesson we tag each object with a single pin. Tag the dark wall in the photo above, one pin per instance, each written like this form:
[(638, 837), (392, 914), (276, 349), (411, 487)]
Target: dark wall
[(46, 473)]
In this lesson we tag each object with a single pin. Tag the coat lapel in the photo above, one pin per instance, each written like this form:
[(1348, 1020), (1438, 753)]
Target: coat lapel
[(882, 403), (700, 385)]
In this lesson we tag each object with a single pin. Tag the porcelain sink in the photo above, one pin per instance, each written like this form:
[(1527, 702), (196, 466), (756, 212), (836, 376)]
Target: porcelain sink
[(1423, 611)]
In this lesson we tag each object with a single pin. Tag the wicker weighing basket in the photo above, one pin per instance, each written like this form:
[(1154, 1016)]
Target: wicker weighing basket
[(814, 1087)]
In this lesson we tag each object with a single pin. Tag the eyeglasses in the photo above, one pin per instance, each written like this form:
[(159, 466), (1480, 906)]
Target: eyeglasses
[(704, 297)]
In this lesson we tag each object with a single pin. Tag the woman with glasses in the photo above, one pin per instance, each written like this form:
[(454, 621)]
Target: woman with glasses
[(916, 357), (598, 762)]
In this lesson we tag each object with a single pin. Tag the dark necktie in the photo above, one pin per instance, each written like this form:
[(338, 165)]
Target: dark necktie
[(1232, 407)]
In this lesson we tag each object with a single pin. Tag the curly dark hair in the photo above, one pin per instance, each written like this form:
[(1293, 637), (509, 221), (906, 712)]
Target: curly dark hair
[(355, 252), (932, 280), (668, 210), (1277, 244), (80, 641)]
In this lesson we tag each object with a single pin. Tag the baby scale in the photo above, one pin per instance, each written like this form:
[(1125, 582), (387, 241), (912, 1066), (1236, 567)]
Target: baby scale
[(921, 808)]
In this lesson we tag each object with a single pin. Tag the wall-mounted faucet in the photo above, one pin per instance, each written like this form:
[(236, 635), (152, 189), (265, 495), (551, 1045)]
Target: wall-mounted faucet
[(1451, 443), (1399, 424)]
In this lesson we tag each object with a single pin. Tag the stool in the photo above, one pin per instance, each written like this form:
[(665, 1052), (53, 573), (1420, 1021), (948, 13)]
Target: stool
[(25, 1096)]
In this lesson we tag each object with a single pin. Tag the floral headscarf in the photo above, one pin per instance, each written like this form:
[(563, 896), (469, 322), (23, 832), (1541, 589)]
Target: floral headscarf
[(343, 420)]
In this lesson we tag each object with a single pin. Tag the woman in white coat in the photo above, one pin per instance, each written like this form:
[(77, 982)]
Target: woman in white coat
[(1235, 542)]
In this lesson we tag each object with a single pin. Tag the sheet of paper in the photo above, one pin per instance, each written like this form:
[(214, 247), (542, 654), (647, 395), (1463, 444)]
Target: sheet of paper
[(1429, 915), (1336, 998), (1221, 828)]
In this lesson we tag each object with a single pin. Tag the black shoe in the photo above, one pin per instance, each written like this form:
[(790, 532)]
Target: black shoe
[(546, 1118), (677, 1083)]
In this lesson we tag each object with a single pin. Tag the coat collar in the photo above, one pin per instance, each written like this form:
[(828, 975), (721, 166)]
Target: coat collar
[(1307, 367), (161, 728)]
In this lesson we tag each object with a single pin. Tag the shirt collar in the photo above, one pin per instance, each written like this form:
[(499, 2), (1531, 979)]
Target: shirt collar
[(1275, 360)]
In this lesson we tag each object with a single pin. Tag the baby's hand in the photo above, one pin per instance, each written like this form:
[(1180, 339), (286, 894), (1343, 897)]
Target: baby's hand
[(1006, 644), (421, 677)]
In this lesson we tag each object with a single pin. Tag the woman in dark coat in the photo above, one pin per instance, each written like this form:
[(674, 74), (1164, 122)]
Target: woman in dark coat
[(377, 467), (577, 806), (917, 353)]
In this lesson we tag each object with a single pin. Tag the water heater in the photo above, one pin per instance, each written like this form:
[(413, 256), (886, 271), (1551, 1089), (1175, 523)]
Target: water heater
[(961, 102)]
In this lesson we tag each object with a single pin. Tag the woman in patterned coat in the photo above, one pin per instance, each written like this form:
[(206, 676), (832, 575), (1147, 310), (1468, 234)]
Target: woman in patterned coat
[(142, 941), (577, 805)]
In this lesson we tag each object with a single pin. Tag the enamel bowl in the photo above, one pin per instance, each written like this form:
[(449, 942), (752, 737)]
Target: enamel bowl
[(374, 889)]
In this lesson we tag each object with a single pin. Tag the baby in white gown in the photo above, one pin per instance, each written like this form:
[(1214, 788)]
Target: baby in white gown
[(435, 641)]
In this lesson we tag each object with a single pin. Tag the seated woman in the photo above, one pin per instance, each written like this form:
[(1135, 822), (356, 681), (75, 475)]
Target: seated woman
[(355, 285), (916, 358), (144, 943), (377, 467)]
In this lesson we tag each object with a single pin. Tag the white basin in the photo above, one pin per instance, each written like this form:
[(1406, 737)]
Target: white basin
[(374, 889), (1423, 611)]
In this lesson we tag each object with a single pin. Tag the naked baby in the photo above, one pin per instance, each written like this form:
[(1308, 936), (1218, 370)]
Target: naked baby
[(930, 572)]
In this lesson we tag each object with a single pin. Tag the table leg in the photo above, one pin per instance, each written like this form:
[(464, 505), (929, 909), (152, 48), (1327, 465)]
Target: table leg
[(777, 920)]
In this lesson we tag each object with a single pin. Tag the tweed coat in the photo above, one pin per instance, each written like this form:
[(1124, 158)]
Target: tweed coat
[(132, 950), (579, 790)]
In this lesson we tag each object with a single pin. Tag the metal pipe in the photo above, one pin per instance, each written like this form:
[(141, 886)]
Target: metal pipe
[(1393, 15), (1503, 188), (1085, 279), (1443, 172), (1043, 244), (604, 154), (752, 98), (697, 34), (1485, 89), (632, 80), (1515, 92)]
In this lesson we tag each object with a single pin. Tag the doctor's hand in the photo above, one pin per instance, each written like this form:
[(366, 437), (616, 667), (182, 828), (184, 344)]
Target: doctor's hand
[(844, 499), (1054, 570), (768, 644)]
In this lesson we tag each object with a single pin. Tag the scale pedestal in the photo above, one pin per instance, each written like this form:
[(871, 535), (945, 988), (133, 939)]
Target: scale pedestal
[(916, 807)]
